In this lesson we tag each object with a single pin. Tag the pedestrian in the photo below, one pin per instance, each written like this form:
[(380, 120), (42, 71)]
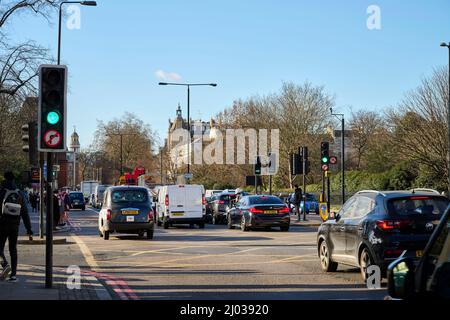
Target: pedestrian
[(56, 208), (13, 207), (33, 200), (298, 198)]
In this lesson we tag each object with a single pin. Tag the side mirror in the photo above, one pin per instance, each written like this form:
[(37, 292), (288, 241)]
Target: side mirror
[(401, 278), (336, 216)]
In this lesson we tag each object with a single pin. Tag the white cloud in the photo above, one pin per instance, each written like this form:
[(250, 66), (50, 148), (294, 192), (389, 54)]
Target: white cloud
[(167, 76)]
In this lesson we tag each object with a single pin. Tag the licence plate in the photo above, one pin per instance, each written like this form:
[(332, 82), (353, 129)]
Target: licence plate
[(130, 212), (130, 219), (419, 254), (178, 214), (271, 212)]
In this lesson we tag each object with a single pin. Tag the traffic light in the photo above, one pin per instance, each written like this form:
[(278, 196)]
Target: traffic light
[(305, 156), (257, 167), (325, 156), (52, 111), (297, 164), (29, 137)]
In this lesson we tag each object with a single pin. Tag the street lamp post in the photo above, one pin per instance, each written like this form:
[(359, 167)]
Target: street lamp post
[(341, 117), (447, 45), (188, 85), (83, 3)]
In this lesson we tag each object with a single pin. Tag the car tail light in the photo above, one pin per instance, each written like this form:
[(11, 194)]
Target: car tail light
[(392, 224), (284, 210), (204, 200), (150, 215), (221, 202), (254, 210), (167, 200), (108, 215), (393, 253)]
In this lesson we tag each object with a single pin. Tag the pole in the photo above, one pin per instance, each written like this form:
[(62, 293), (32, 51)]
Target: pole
[(343, 160), (448, 120), (161, 166), (328, 191), (323, 186), (41, 195), (49, 227), (304, 158), (74, 170), (189, 130), (59, 34), (121, 155)]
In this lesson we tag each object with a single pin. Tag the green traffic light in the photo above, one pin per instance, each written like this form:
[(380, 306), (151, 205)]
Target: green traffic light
[(53, 118), (324, 160)]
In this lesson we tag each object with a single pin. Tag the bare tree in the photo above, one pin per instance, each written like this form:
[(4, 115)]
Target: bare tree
[(10, 8), (365, 126), (420, 124)]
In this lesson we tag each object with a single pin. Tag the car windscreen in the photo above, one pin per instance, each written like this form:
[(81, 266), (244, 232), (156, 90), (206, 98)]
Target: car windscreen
[(125, 196), (264, 200), (311, 197), (78, 196), (227, 197), (418, 205)]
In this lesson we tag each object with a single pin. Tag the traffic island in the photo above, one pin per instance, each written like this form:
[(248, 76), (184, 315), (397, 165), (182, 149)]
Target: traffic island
[(40, 242)]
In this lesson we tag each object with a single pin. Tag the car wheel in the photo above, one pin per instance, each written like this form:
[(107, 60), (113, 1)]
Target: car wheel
[(166, 223), (149, 234), (83, 209), (243, 225), (201, 225), (325, 258), (141, 234), (365, 261), (106, 235), (230, 223), (284, 229), (158, 221)]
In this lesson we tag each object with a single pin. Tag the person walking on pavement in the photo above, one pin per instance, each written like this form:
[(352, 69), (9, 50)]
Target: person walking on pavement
[(56, 210), (33, 201), (298, 198), (13, 208)]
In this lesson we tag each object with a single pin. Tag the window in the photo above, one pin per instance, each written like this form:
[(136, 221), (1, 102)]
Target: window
[(265, 200), (345, 212), (363, 206), (418, 206), (121, 196)]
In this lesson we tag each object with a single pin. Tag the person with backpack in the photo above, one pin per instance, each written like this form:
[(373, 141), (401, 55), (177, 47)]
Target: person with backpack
[(13, 208)]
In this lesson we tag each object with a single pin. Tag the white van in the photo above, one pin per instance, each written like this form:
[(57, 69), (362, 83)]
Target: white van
[(181, 204)]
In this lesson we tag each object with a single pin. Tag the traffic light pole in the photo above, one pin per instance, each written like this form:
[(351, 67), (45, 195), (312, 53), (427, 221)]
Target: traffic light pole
[(41, 195), (49, 225), (328, 191), (343, 160)]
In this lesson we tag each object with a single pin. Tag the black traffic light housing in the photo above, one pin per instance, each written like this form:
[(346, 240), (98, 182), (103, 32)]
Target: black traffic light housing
[(52, 110), (29, 137), (296, 164), (325, 155)]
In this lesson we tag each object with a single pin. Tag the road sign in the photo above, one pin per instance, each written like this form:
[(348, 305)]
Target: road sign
[(325, 167), (189, 176), (52, 138), (323, 211), (56, 168), (35, 175), (333, 160)]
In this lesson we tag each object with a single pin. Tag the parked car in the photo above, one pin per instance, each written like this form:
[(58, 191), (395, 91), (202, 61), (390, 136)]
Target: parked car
[(312, 205), (98, 195), (429, 277), (259, 212), (181, 204), (375, 228), (210, 193), (220, 206), (126, 209), (77, 200)]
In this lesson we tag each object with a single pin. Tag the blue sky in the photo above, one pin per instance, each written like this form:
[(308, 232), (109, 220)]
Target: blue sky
[(248, 47)]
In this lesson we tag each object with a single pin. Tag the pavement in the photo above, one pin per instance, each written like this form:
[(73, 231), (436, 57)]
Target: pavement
[(69, 262), (312, 220)]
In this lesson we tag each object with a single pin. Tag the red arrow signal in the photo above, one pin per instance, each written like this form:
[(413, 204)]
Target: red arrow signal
[(333, 160)]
